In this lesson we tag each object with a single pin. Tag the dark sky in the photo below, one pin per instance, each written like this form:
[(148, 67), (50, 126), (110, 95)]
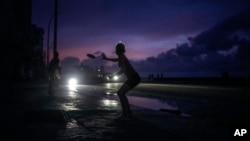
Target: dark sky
[(147, 27)]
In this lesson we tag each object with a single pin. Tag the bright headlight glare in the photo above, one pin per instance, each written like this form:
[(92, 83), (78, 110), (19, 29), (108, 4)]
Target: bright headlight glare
[(116, 77), (72, 81)]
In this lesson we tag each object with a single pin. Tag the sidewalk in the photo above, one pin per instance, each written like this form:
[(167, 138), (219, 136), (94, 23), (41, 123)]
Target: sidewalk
[(29, 113)]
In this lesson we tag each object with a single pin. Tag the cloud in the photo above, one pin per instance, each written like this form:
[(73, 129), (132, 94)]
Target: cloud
[(151, 27), (217, 49)]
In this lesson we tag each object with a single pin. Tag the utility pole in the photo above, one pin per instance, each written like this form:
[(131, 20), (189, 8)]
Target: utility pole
[(55, 27), (48, 37)]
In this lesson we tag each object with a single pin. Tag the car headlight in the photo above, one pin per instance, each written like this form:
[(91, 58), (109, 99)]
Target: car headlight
[(115, 77), (72, 82)]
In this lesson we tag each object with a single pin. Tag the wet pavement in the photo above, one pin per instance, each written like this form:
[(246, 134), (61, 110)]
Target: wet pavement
[(90, 113)]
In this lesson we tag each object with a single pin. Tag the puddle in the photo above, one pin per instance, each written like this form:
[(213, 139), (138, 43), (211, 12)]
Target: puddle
[(69, 106), (111, 92), (109, 103), (150, 103), (156, 104)]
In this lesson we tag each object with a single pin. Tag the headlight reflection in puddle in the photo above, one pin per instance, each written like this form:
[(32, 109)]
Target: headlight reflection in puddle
[(109, 103), (112, 85), (72, 87), (69, 106), (72, 94)]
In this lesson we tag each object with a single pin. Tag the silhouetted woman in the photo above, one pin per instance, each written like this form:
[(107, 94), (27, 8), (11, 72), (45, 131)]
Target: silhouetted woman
[(133, 78)]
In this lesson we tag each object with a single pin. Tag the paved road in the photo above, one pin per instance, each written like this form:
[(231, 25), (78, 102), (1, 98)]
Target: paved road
[(212, 105), (90, 111), (221, 103), (186, 91)]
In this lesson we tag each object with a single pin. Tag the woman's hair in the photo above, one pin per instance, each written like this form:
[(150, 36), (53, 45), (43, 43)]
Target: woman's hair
[(120, 48)]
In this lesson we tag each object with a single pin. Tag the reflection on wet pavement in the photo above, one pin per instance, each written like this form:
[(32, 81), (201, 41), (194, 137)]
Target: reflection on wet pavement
[(112, 85), (73, 131), (109, 103), (157, 104), (88, 124), (150, 103), (69, 106), (145, 102), (110, 100), (72, 88), (111, 92), (96, 118), (72, 94)]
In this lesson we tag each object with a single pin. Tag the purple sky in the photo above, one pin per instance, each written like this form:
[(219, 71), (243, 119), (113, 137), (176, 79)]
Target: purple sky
[(147, 27)]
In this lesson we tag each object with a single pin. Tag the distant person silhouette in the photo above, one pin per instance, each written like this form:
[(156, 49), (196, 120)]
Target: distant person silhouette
[(133, 78), (54, 70)]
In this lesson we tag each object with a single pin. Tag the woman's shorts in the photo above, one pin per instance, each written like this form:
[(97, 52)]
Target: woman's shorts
[(134, 81)]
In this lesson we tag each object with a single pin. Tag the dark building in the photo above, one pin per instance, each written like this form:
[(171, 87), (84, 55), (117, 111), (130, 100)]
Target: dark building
[(19, 40)]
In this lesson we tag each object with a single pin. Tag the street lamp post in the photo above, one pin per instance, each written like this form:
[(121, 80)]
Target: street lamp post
[(55, 27), (55, 32), (48, 38)]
